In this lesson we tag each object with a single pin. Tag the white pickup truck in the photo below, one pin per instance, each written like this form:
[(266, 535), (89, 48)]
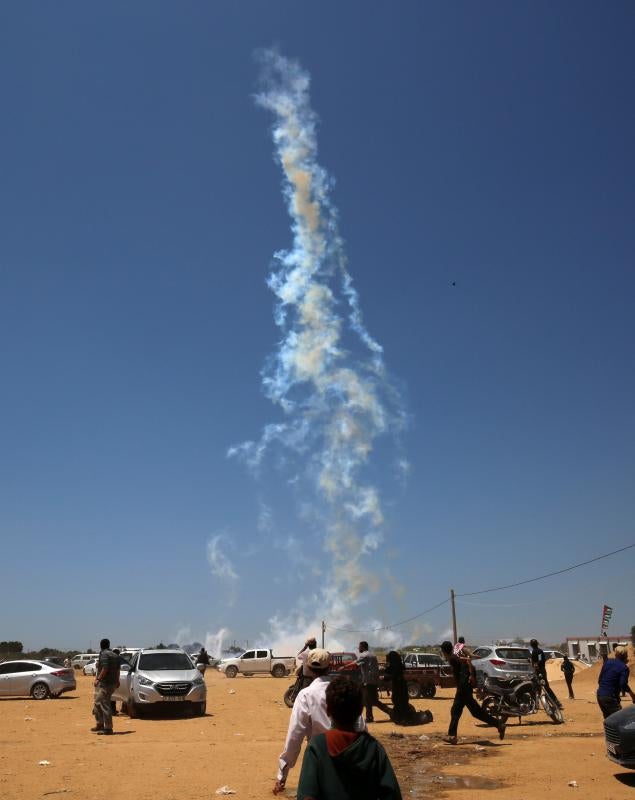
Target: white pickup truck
[(257, 662)]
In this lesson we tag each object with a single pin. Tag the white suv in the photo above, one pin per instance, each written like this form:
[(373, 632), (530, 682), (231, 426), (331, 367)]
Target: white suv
[(501, 661), (161, 676)]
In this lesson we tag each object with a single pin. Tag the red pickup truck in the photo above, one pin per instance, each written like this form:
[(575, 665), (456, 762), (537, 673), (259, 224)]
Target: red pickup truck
[(423, 672)]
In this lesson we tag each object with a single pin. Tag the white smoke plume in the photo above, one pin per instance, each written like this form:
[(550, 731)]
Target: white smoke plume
[(327, 376), (214, 642), (219, 563)]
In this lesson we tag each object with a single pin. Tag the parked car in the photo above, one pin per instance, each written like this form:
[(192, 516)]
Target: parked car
[(160, 676), (423, 660), (501, 661), (35, 678), (552, 654), (257, 662), (56, 661), (619, 732), (90, 668), (423, 672), (81, 659), (419, 682)]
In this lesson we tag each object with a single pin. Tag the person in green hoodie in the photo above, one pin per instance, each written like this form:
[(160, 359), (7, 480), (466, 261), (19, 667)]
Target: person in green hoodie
[(344, 764)]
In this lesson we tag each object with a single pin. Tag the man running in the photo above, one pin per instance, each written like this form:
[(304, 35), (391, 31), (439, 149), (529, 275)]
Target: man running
[(465, 680)]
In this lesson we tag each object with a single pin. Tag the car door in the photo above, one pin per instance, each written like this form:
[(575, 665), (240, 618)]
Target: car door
[(248, 661), (263, 661), (126, 675), (18, 677), (6, 678)]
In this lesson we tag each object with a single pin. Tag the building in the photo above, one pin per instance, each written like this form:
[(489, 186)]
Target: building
[(591, 648)]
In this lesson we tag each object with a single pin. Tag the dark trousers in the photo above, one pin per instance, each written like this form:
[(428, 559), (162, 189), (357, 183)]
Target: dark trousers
[(465, 699), (569, 680), (609, 705), (371, 698), (549, 690)]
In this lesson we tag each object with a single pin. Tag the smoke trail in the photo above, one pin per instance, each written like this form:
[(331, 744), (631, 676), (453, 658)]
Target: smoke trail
[(328, 374), (214, 642)]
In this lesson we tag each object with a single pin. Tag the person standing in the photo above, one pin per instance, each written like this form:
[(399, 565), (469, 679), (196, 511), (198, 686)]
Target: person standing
[(106, 681), (459, 647), (612, 680), (342, 763), (568, 668), (539, 661), (369, 671), (308, 717), (464, 698), (202, 661)]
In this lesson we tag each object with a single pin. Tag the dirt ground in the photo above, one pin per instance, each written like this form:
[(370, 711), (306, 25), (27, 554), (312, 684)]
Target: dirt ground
[(237, 744)]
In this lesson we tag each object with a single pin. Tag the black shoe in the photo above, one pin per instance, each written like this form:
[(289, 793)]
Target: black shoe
[(501, 730), (97, 728), (369, 720), (105, 732)]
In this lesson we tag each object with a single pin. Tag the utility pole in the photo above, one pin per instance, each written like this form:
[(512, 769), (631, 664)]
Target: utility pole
[(323, 630), (453, 607)]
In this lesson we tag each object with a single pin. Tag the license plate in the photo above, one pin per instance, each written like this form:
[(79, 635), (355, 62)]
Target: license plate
[(174, 698)]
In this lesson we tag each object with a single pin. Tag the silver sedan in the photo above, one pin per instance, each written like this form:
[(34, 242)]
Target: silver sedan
[(35, 678)]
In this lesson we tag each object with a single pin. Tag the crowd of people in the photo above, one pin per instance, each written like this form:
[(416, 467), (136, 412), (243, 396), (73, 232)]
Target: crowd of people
[(343, 761)]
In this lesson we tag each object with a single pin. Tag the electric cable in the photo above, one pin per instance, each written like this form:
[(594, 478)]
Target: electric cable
[(485, 591), (394, 624), (548, 574)]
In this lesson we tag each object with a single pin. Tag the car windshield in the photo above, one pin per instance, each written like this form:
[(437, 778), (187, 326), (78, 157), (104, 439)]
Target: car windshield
[(158, 661), (513, 653)]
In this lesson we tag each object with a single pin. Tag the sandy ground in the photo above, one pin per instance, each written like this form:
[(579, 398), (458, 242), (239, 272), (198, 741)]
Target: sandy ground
[(237, 744)]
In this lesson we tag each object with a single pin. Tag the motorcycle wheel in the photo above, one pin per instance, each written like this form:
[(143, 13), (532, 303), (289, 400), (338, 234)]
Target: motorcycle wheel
[(528, 701), (289, 696), (490, 705), (551, 709)]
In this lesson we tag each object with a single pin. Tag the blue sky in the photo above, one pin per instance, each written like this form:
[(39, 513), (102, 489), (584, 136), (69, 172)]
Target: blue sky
[(484, 179)]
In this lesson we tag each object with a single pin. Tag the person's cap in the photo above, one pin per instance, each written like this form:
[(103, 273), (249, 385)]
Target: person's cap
[(319, 659)]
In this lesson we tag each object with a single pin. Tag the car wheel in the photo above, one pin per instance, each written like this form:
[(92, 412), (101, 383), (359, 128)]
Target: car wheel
[(133, 709), (279, 671), (429, 690), (199, 709), (414, 690), (231, 671), (40, 691)]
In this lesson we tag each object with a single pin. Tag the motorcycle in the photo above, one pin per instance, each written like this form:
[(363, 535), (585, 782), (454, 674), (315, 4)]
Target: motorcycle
[(519, 697), (301, 682)]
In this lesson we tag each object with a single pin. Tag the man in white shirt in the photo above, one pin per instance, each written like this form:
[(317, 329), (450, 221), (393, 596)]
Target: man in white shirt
[(309, 716)]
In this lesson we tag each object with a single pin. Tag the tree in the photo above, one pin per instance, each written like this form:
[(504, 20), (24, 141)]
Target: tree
[(11, 647)]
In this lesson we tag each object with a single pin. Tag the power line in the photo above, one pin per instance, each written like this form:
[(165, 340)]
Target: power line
[(485, 591), (394, 624), (548, 574)]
